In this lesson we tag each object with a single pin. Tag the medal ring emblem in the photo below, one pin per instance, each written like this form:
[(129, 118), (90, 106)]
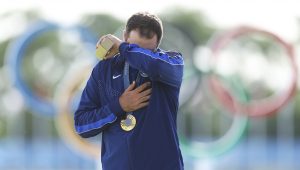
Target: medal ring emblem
[(129, 123)]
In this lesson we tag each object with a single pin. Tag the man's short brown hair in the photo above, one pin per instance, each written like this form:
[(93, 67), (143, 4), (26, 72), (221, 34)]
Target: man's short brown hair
[(147, 24)]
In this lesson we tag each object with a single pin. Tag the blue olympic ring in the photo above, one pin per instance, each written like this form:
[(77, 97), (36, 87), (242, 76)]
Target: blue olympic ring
[(15, 56)]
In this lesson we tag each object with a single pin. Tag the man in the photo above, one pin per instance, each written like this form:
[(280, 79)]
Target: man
[(132, 98)]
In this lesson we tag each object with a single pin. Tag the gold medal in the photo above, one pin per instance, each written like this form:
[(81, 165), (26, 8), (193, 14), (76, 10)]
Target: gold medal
[(129, 123)]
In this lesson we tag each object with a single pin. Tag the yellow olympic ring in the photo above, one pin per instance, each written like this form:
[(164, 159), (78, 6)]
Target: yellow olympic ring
[(64, 122)]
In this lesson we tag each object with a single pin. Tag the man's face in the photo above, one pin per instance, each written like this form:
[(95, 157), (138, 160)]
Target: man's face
[(133, 37)]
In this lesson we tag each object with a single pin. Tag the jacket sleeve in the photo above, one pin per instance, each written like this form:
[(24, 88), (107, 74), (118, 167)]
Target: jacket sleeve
[(91, 116), (166, 67)]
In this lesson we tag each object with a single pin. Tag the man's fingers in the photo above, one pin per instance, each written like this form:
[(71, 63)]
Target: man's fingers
[(146, 92), (142, 87), (145, 98), (130, 87), (112, 52), (100, 39), (141, 105)]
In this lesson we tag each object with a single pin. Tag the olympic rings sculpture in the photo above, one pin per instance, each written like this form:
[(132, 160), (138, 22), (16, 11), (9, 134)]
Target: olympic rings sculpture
[(70, 84)]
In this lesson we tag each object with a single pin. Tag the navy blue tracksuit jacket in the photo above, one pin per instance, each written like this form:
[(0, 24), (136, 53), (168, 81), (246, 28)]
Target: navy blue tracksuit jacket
[(153, 144)]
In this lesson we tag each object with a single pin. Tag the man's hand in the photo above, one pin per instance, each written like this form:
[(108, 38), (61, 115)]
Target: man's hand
[(115, 49), (134, 99)]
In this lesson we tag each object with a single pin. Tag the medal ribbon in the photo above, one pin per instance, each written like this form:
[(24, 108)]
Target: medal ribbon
[(129, 116), (126, 78)]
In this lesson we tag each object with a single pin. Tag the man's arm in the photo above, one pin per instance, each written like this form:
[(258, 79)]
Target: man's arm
[(166, 67), (92, 116)]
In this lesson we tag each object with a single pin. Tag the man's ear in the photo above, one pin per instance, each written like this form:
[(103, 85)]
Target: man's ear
[(125, 35)]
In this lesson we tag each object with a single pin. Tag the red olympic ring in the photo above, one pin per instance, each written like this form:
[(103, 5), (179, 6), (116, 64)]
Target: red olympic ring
[(262, 107)]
